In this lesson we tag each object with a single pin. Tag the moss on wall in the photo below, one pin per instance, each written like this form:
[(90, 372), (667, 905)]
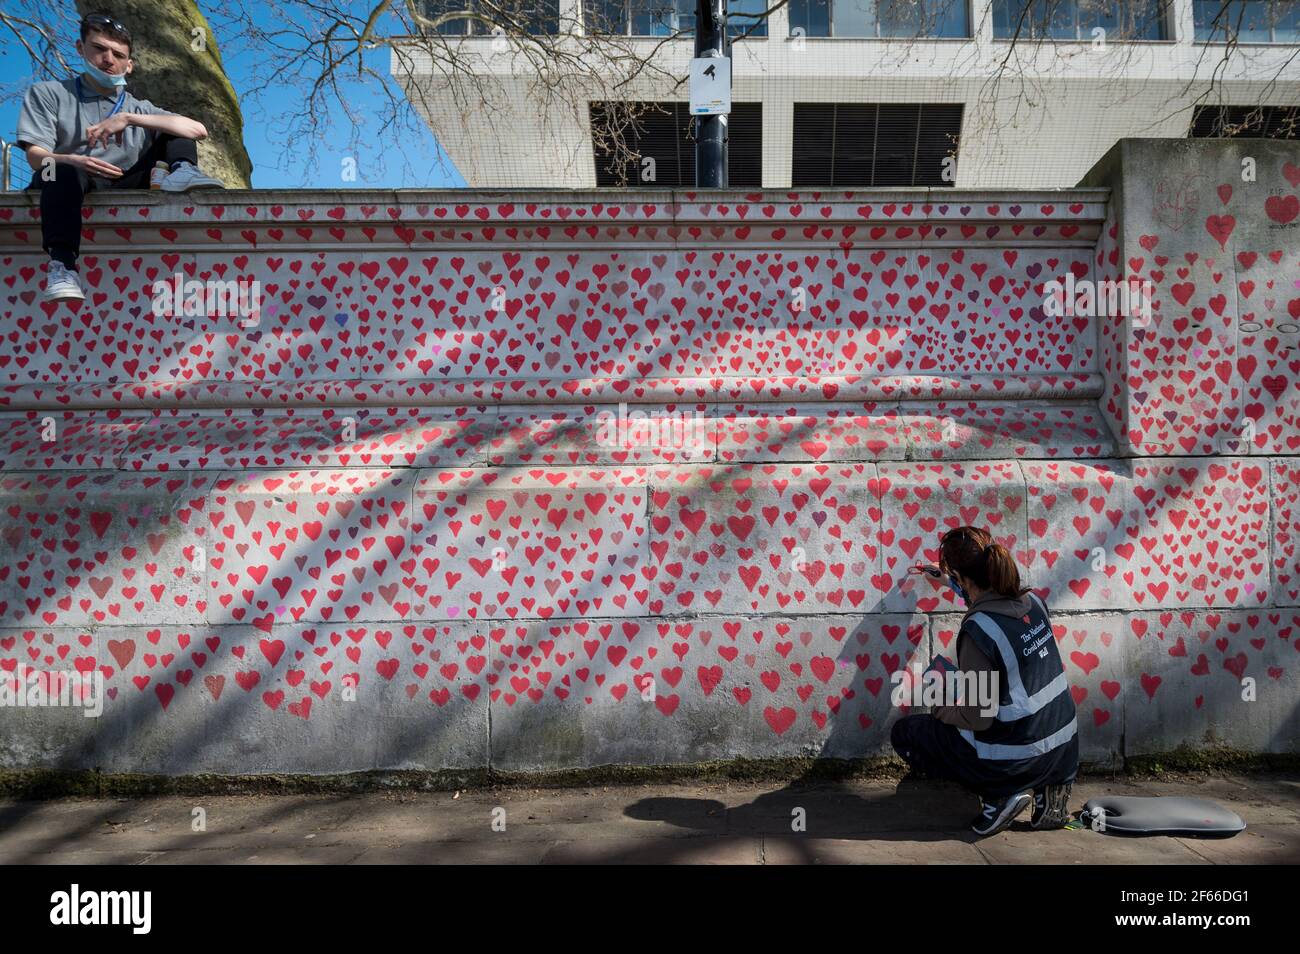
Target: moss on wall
[(55, 783)]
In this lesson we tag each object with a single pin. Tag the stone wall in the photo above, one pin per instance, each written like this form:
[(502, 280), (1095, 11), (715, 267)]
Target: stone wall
[(564, 479)]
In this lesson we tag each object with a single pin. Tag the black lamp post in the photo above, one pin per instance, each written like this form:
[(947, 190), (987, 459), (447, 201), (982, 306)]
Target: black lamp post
[(711, 131)]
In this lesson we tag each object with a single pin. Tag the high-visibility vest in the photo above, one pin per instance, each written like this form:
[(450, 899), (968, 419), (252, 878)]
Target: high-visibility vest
[(1036, 712)]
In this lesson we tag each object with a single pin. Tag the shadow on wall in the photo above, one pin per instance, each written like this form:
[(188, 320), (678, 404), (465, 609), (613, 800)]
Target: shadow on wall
[(734, 672)]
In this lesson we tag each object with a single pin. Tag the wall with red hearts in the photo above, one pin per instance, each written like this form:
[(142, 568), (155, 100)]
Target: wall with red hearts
[(1213, 227), (403, 522), (432, 299)]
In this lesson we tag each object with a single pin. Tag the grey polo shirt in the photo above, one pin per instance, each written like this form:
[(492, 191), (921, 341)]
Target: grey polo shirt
[(53, 117)]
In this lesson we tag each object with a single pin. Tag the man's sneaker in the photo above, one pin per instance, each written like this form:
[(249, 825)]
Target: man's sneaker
[(997, 815), (187, 176), (1051, 807), (61, 283)]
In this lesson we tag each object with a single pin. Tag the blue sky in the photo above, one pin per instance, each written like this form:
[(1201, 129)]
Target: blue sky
[(420, 164)]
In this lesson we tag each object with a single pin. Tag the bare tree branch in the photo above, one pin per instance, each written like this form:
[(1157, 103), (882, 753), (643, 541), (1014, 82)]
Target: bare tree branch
[(478, 55)]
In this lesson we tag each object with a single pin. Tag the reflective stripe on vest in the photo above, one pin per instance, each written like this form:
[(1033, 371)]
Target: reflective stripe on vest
[(1022, 704), (1006, 753)]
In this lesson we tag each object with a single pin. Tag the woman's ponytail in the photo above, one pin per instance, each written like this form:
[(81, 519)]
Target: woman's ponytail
[(972, 552), (1004, 575)]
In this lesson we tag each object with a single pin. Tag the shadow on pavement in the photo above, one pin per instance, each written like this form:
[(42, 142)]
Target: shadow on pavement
[(918, 810)]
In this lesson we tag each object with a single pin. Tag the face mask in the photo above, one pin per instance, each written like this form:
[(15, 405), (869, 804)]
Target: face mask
[(952, 580), (102, 78)]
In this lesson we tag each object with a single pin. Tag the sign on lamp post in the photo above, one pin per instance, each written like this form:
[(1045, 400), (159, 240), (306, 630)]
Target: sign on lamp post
[(710, 90)]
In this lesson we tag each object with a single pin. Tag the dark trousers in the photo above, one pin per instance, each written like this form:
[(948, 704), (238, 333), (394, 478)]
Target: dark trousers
[(935, 749), (61, 197)]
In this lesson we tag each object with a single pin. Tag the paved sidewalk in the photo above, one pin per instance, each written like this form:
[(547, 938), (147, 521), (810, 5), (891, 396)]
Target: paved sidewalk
[(913, 822)]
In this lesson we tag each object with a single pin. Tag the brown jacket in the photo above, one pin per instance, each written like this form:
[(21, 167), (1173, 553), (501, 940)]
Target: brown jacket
[(971, 659)]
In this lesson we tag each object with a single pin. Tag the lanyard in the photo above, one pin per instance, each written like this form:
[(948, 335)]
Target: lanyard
[(121, 98)]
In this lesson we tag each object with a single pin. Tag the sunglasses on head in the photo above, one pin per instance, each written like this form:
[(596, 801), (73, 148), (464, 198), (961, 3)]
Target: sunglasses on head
[(102, 21)]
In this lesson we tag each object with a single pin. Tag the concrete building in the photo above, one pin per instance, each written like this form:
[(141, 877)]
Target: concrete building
[(868, 93)]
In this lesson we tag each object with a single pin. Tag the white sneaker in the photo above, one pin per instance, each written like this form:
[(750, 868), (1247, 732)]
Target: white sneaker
[(61, 283), (187, 177)]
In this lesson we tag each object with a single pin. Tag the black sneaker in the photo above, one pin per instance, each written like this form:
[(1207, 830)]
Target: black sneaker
[(997, 815), (1051, 807)]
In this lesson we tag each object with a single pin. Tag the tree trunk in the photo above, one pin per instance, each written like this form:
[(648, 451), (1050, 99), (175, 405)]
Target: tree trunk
[(172, 74)]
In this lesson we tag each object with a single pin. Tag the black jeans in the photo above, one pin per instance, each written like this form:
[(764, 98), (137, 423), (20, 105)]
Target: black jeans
[(937, 750), (61, 197)]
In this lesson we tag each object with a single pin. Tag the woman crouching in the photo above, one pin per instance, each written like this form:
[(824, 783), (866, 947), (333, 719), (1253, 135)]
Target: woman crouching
[(1027, 750)]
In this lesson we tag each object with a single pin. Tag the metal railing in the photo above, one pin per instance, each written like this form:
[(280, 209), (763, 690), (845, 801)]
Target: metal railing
[(6, 160)]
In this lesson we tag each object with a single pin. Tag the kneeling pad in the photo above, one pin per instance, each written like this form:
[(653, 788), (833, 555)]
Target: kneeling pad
[(1165, 815)]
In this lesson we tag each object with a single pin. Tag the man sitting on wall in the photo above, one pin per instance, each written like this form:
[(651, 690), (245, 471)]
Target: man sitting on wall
[(87, 133)]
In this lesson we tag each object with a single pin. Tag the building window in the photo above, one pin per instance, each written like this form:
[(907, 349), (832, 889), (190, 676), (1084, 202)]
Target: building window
[(1246, 122), (1247, 21), (668, 17), (662, 137), (875, 144), (1122, 20), (910, 19), (535, 17)]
